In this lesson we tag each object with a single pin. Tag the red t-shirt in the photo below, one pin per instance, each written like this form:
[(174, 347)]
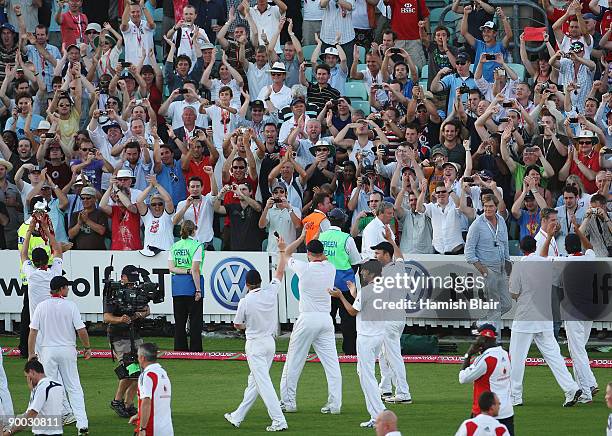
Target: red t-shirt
[(229, 196), (405, 17), (126, 230), (197, 169), (73, 27), (591, 162)]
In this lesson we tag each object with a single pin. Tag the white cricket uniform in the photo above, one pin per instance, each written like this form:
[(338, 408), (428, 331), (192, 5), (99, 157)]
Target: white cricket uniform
[(258, 311), (154, 383), (482, 425), (56, 321), (527, 328), (578, 333), (6, 403), (373, 234), (313, 327), (46, 399), (392, 367), (39, 281), (370, 336), (490, 371)]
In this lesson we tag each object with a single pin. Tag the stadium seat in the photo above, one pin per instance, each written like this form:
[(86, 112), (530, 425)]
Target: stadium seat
[(520, 70), (364, 105), (513, 248), (356, 90), (217, 243), (362, 53), (425, 72), (362, 67), (308, 74), (307, 51), (264, 245)]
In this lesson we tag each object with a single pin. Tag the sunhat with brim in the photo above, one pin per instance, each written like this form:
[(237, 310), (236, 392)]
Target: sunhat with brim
[(278, 67), (6, 164), (320, 143), (329, 51), (587, 134), (96, 41)]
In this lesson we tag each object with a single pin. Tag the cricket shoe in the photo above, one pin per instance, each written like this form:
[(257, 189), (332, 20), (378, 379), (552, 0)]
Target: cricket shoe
[(288, 409), (228, 417), (386, 395), (397, 399), (327, 409), (83, 432), (594, 390), (276, 426), (68, 419), (132, 410), (585, 399), (119, 407), (368, 424), (572, 397)]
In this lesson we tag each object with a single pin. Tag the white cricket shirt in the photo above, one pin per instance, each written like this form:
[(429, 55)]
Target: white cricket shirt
[(315, 279), (39, 280), (258, 310), (364, 299), (46, 399), (202, 216), (482, 425), (154, 383), (57, 320)]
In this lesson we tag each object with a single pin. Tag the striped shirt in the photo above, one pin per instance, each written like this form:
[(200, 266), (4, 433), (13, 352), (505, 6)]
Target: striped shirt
[(336, 19), (318, 95), (43, 66)]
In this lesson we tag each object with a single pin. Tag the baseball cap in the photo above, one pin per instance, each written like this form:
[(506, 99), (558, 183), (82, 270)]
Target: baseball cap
[(485, 174), (337, 214), (529, 196), (576, 46), (36, 169), (297, 100), (8, 26), (315, 247), (93, 26), (258, 103), (131, 272), (72, 45), (487, 330), (439, 150), (463, 57), (368, 169), (453, 164), (253, 277), (43, 125), (489, 25), (278, 185), (589, 16), (207, 46), (81, 179), (106, 127), (384, 246), (58, 282)]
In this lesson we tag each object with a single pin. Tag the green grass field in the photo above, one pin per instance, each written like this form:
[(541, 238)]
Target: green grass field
[(202, 391)]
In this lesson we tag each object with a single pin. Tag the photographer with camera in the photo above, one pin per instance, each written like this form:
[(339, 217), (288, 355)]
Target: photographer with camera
[(596, 226), (184, 262), (123, 333), (489, 371)]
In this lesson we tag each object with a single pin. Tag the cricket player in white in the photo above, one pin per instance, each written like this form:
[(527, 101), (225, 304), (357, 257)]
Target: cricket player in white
[(392, 368), (258, 314), (370, 335), (55, 320), (533, 322), (484, 424), (45, 400), (6, 403), (577, 330), (313, 327), (154, 396)]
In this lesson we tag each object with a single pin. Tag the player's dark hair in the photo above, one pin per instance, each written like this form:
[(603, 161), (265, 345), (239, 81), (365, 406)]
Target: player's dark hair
[(318, 198), (599, 199), (187, 228), (528, 245), (149, 351), (195, 179), (34, 365), (572, 243), (486, 401), (570, 190), (373, 266), (547, 212)]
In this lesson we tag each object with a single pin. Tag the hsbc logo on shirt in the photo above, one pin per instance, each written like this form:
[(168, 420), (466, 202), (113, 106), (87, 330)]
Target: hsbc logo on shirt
[(408, 8)]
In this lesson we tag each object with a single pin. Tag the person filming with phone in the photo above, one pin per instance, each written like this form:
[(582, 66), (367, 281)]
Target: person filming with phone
[(199, 209)]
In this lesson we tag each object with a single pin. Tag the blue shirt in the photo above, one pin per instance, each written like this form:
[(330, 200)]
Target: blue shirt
[(21, 124), (140, 171), (451, 82), (488, 67), (172, 180), (407, 88), (529, 224), (93, 171), (486, 244)]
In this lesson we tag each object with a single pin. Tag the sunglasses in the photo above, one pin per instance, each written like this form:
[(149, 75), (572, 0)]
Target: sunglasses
[(321, 149), (157, 204), (373, 201), (174, 177), (277, 74), (86, 197), (461, 62), (584, 142), (64, 105), (422, 111), (441, 192), (86, 149), (238, 168), (45, 188)]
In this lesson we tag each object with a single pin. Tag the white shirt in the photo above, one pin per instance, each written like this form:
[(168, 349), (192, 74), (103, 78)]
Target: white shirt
[(56, 320), (258, 78), (485, 426), (446, 225), (315, 279), (287, 127), (135, 38), (368, 79), (222, 122), (279, 220), (202, 217), (216, 84), (267, 21), (175, 111), (567, 42), (312, 11), (154, 383), (39, 280), (540, 239), (46, 399), (158, 232), (188, 40), (258, 311), (368, 153), (280, 99), (364, 299), (373, 234)]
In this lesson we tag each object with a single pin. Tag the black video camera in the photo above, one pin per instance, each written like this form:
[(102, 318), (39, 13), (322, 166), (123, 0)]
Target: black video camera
[(131, 297)]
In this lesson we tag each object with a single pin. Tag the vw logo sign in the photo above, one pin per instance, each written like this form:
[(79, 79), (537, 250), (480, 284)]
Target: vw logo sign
[(424, 291), (227, 281)]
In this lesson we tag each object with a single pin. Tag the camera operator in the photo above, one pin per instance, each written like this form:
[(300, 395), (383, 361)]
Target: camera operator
[(596, 226), (121, 344)]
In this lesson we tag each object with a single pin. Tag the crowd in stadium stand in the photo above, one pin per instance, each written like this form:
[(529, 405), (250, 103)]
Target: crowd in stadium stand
[(122, 119)]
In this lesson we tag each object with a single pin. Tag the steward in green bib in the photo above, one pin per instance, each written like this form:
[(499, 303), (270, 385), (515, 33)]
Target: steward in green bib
[(186, 256), (341, 251)]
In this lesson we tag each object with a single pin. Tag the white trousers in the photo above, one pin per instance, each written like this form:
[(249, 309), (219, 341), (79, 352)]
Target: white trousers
[(578, 333), (60, 363), (260, 354), (6, 404), (548, 346), (392, 368), (368, 348), (316, 329)]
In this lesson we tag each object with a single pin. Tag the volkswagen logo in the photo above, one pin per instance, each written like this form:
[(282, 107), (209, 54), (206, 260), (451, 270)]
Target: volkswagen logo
[(422, 292), (227, 281)]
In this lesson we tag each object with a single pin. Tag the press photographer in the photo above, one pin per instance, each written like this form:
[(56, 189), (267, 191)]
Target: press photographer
[(126, 304)]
